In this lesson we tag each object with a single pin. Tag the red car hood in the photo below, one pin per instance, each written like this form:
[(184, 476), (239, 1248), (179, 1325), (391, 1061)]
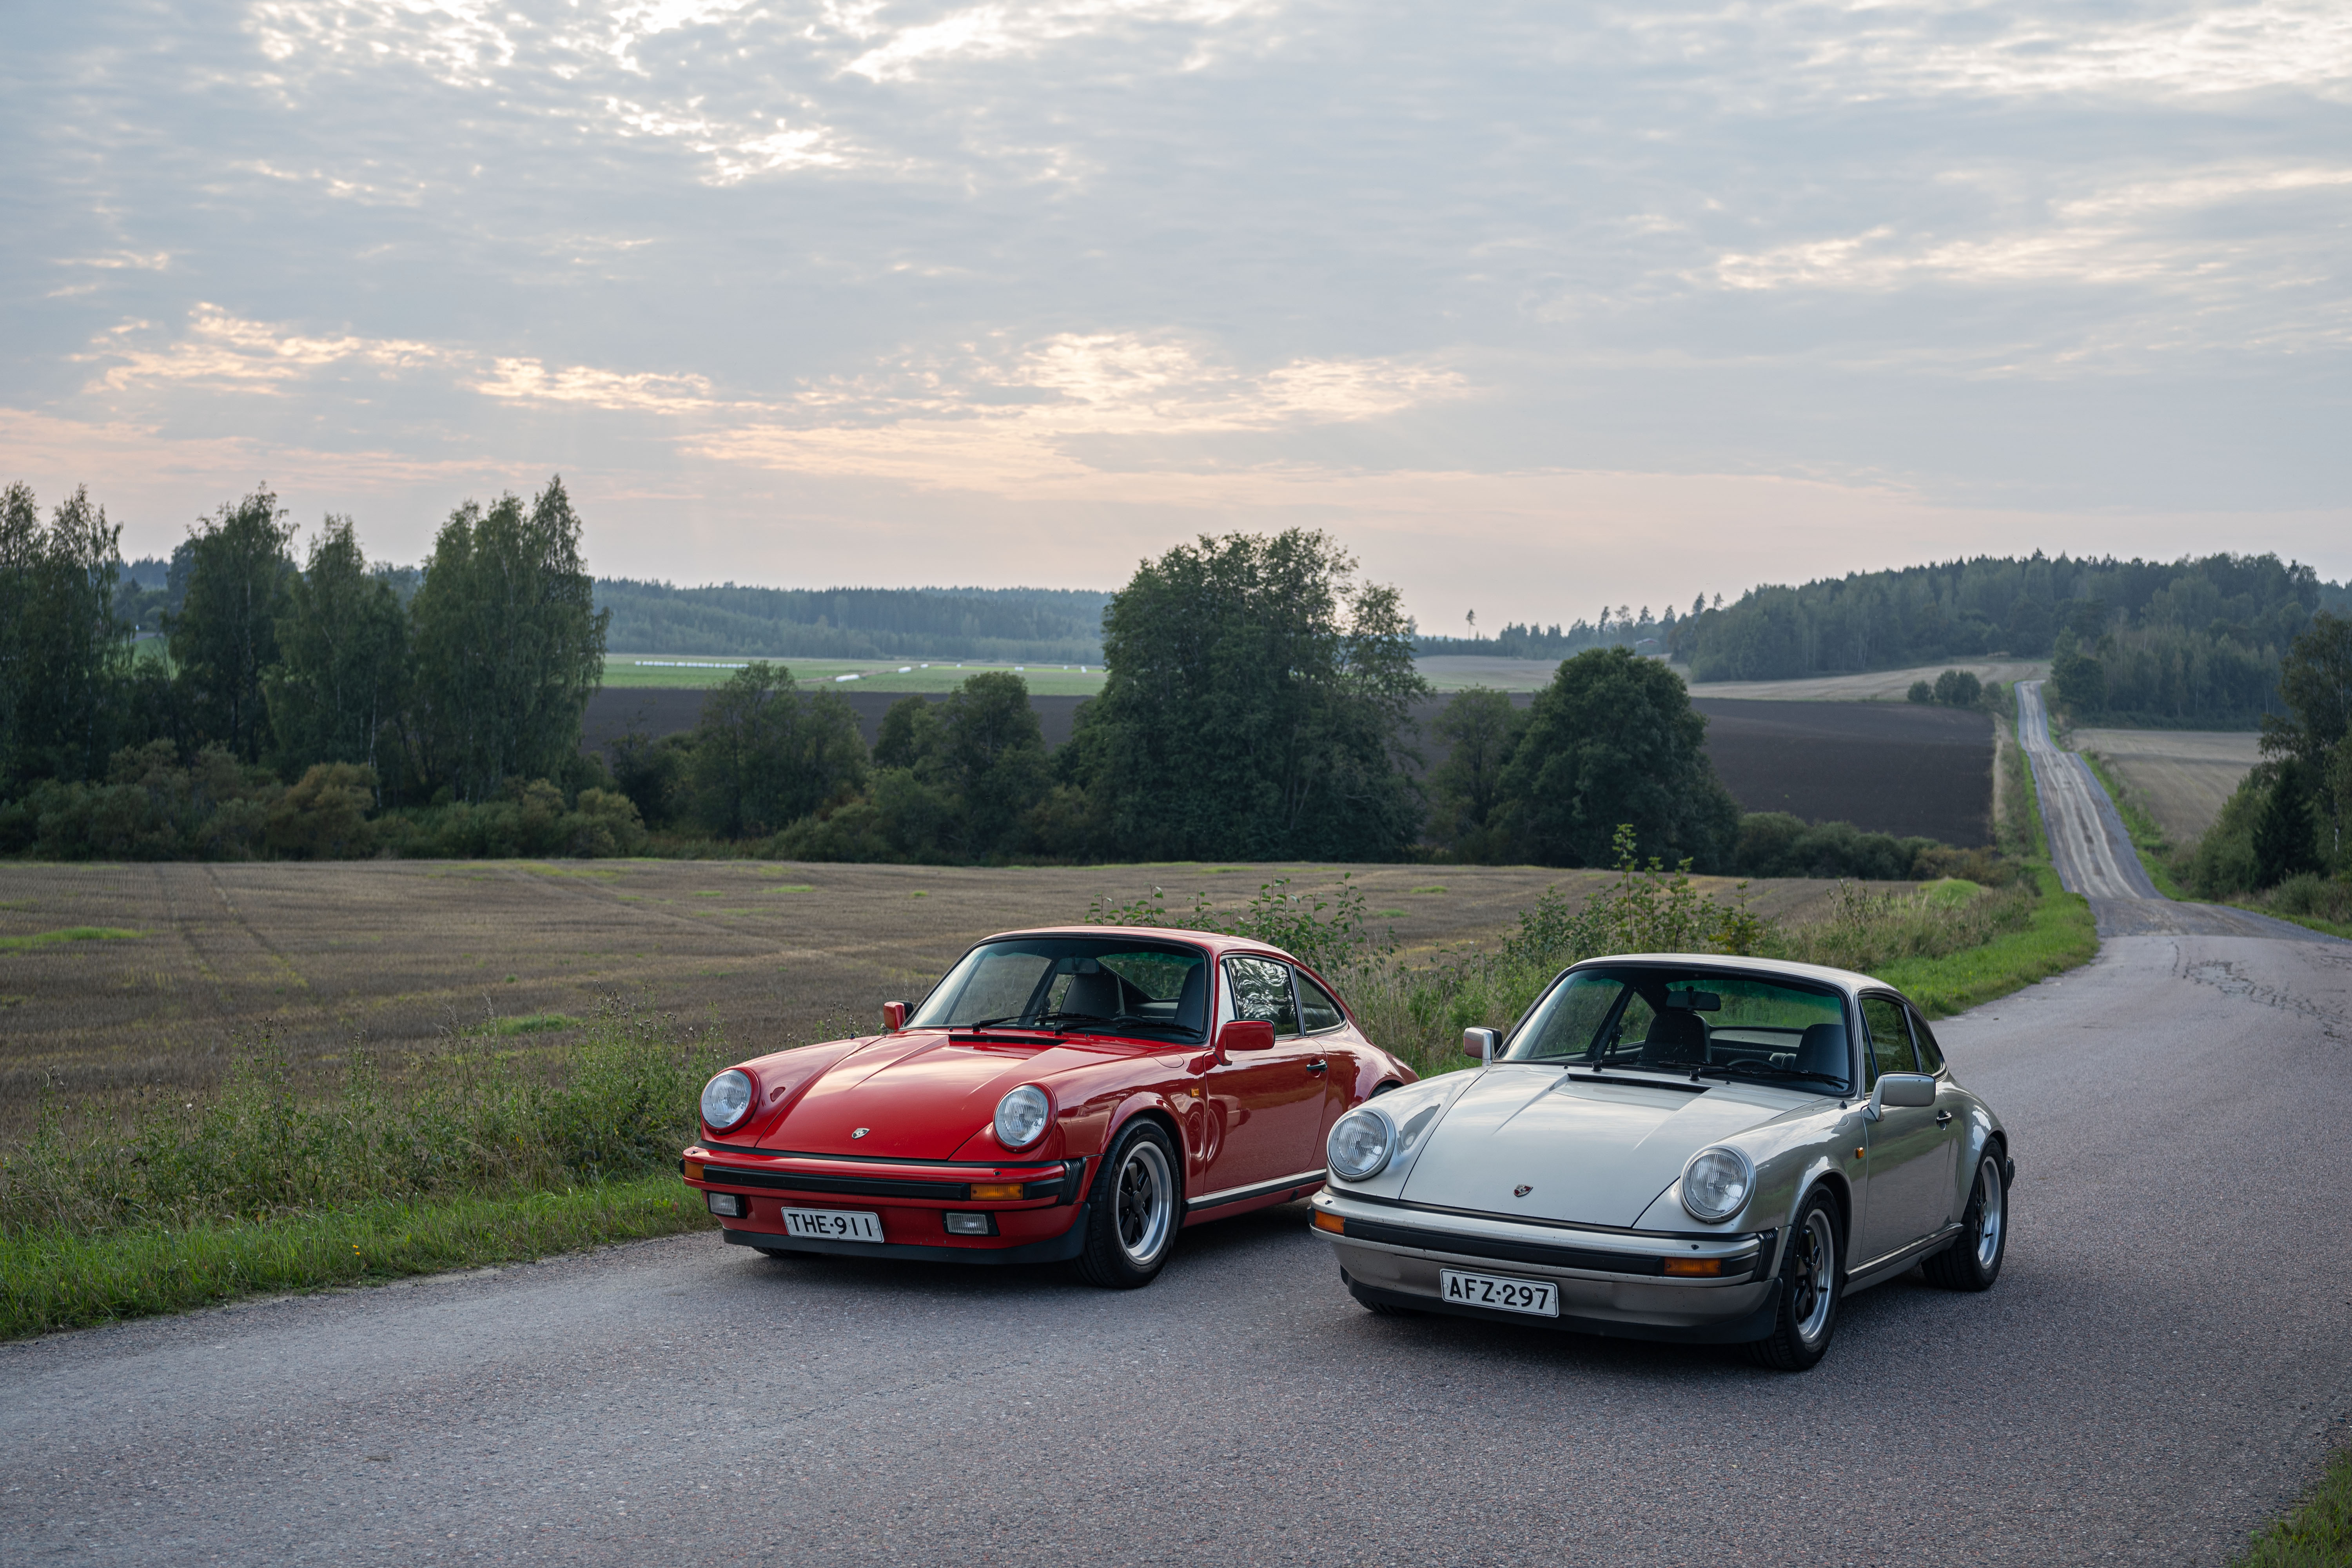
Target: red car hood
[(918, 1096)]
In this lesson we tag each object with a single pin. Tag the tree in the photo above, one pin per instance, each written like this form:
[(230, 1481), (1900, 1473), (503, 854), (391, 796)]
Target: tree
[(508, 645), (64, 662), (1921, 692), (1256, 704), (223, 638), (2076, 679), (2316, 684), (991, 758), (764, 758), (344, 643), (2283, 840), (1480, 728), (1957, 688), (1612, 739)]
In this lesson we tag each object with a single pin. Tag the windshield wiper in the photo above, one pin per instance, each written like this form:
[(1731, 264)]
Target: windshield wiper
[(1729, 1070)]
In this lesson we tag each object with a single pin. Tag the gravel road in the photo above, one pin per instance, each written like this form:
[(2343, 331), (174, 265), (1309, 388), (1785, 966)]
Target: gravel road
[(2162, 1367)]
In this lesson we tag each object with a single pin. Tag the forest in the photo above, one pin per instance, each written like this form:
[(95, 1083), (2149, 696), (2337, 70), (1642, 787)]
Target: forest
[(2194, 642)]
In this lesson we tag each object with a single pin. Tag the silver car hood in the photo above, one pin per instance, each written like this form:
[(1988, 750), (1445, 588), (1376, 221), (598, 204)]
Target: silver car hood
[(1587, 1152)]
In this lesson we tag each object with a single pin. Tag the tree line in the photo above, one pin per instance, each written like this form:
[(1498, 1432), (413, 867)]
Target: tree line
[(1257, 705), (2189, 641), (284, 694), (1037, 625)]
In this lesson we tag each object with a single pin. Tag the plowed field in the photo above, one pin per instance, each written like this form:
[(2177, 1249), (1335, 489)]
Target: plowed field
[(411, 953)]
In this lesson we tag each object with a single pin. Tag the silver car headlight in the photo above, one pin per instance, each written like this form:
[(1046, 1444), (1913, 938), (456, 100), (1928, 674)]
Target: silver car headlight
[(1716, 1183), (1360, 1144), (726, 1099), (1021, 1117)]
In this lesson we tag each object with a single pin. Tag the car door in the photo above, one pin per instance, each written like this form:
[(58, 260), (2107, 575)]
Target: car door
[(1906, 1181), (1951, 1116), (1265, 1109), (1330, 1043)]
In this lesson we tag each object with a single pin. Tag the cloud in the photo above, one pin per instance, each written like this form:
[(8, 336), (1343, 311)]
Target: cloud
[(224, 351), (1011, 425), (526, 380), (1005, 31)]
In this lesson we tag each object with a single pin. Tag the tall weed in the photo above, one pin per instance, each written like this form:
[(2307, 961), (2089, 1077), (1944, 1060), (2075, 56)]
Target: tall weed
[(476, 1119)]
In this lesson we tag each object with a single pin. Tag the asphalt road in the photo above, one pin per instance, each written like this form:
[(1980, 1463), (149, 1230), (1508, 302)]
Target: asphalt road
[(2163, 1366)]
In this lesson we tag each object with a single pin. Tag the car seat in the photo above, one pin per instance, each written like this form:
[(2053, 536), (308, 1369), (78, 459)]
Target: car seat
[(1677, 1037), (1822, 1050), (1096, 992), (1193, 1001)]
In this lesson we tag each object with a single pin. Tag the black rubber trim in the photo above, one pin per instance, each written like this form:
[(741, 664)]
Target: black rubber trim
[(1053, 1249), (1258, 1189), (1755, 1325), (1592, 1259), (851, 1186), (1074, 1181)]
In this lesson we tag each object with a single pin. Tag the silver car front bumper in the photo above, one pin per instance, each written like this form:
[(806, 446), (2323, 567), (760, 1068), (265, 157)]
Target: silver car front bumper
[(1610, 1282)]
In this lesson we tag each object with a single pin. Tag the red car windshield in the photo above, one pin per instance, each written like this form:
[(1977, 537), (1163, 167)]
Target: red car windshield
[(1095, 985)]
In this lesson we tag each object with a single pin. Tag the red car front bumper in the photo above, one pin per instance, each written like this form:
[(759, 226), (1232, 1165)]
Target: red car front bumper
[(1043, 1223)]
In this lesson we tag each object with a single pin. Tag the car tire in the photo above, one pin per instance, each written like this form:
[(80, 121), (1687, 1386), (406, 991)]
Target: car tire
[(1805, 1291), (1139, 1206), (1973, 1260)]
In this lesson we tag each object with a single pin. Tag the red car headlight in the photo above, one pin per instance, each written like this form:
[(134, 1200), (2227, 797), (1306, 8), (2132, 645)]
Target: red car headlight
[(726, 1099)]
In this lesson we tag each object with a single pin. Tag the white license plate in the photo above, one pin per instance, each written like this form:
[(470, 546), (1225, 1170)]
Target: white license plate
[(1530, 1296), (834, 1224)]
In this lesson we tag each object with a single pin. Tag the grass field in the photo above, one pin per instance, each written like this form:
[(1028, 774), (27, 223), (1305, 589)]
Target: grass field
[(2182, 778), (409, 953), (624, 671), (1879, 686)]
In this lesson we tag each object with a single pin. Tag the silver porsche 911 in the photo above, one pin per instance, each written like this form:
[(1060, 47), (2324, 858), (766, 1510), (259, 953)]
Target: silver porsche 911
[(1675, 1146)]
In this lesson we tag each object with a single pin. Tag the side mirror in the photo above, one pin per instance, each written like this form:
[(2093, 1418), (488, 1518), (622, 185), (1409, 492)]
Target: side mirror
[(1480, 1043), (1904, 1090), (894, 1016), (1244, 1035)]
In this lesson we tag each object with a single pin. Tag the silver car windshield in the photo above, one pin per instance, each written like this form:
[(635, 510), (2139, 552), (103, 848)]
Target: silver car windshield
[(1692, 1022), (1095, 985)]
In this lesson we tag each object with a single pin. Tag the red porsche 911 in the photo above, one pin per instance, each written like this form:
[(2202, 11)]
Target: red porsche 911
[(1060, 1094)]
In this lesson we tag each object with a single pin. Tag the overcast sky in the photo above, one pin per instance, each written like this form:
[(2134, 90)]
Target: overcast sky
[(1537, 307)]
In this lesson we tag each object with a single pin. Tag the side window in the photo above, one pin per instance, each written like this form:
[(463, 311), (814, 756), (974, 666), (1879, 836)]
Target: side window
[(1261, 989), (1931, 1055), (1317, 1009), (1890, 1036)]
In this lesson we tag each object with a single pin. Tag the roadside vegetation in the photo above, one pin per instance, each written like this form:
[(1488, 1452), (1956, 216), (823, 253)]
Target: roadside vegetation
[(2317, 1534), (1950, 945), (2279, 845), (470, 1155)]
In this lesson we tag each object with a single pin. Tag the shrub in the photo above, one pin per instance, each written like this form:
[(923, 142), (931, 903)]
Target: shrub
[(1921, 692)]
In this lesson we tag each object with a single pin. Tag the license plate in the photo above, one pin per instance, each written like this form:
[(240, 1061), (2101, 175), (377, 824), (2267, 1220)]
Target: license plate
[(1530, 1296), (834, 1224)]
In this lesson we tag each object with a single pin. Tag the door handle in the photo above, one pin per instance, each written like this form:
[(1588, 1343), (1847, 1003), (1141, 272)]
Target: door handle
[(1943, 1119), (1317, 1064)]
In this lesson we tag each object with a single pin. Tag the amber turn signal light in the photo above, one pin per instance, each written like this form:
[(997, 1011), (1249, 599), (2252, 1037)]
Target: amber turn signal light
[(693, 1169), (996, 1190), (1698, 1267), (1330, 1222)]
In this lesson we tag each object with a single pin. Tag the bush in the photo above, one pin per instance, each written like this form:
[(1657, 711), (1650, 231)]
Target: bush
[(1775, 844), (1921, 692), (1957, 688), (324, 815)]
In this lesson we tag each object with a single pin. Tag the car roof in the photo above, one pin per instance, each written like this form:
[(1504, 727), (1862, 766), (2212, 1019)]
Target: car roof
[(1845, 980), (1215, 942)]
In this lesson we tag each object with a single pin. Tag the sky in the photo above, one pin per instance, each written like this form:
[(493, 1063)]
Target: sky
[(1536, 307)]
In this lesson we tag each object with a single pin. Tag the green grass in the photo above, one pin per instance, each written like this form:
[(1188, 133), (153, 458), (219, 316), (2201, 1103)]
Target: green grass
[(2318, 1534), (701, 672), (2058, 935), (2149, 840), (56, 1280), (70, 933)]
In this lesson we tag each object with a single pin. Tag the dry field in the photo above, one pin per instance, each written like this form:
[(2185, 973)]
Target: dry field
[(2183, 776), (1880, 686), (415, 954)]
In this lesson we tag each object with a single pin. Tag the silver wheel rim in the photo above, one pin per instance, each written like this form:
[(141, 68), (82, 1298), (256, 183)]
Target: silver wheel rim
[(1146, 1200), (1991, 1216), (1813, 1284)]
